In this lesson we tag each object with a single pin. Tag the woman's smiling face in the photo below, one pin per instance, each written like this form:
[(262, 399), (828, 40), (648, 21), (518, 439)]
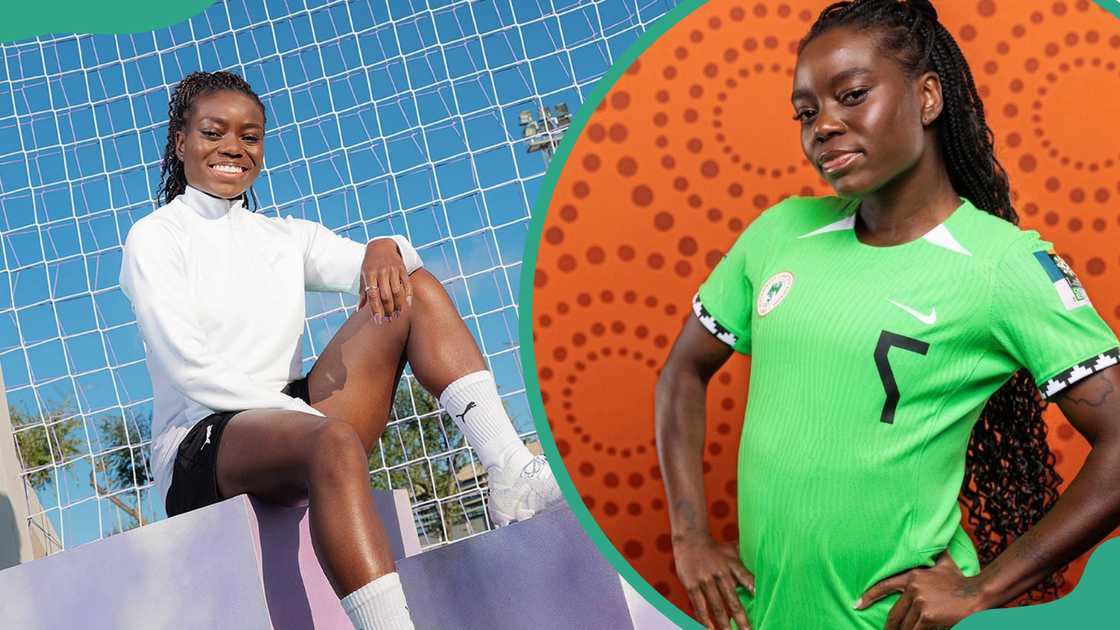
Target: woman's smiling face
[(222, 143), (860, 115)]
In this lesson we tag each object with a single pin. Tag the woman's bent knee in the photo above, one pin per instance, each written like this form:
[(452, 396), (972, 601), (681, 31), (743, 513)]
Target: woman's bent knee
[(427, 288), (336, 452)]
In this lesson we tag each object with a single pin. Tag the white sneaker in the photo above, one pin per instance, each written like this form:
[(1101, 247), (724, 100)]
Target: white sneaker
[(519, 492)]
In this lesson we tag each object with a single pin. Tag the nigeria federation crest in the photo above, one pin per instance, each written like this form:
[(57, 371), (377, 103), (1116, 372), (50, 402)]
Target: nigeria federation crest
[(774, 291)]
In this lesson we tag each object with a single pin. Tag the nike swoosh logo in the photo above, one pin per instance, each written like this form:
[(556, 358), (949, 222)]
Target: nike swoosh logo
[(925, 319)]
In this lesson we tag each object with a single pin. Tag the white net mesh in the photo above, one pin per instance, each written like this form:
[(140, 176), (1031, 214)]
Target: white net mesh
[(384, 117)]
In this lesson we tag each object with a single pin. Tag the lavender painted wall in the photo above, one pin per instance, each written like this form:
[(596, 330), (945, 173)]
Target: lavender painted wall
[(246, 565), (237, 564), (543, 573)]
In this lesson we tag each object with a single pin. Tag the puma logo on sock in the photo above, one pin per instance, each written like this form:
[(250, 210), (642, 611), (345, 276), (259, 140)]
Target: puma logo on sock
[(463, 416)]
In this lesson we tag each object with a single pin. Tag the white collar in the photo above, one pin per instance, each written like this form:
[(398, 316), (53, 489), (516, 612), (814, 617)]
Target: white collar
[(208, 206)]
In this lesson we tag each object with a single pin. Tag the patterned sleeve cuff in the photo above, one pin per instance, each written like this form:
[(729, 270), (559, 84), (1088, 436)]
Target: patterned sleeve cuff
[(1088, 367), (709, 322)]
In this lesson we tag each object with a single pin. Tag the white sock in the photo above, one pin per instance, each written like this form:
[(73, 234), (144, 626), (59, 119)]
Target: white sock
[(472, 402), (379, 605)]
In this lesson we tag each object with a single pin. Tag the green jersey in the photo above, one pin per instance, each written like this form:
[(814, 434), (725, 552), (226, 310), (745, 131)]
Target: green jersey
[(869, 367)]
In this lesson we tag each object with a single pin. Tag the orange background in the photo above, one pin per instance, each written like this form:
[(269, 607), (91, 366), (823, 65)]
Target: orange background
[(693, 141)]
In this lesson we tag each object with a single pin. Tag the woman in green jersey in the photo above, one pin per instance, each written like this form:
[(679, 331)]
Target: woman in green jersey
[(905, 336)]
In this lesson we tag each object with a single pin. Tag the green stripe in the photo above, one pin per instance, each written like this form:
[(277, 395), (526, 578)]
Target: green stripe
[(24, 20)]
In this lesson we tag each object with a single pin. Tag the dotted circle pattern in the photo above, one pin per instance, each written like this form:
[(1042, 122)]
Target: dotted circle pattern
[(692, 142)]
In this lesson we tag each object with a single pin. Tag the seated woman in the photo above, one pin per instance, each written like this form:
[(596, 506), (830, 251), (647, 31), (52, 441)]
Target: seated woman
[(218, 292)]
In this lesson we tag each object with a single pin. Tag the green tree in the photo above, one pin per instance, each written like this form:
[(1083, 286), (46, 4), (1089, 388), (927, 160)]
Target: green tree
[(122, 463), (422, 451), (54, 440), (415, 454), (44, 443)]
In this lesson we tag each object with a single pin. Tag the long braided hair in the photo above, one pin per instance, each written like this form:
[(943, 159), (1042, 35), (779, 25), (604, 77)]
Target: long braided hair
[(1010, 481), (172, 179)]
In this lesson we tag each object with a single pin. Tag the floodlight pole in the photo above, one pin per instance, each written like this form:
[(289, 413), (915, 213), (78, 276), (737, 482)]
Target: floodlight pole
[(544, 129)]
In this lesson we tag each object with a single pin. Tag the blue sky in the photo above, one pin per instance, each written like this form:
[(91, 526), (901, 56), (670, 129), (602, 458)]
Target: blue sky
[(383, 117)]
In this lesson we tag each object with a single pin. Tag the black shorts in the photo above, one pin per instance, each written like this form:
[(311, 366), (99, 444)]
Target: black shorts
[(194, 476)]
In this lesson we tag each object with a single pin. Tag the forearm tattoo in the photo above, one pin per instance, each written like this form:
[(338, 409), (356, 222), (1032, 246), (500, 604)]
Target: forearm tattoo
[(967, 591), (687, 513)]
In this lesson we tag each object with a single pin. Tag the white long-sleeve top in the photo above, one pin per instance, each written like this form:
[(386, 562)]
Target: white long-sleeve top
[(218, 293)]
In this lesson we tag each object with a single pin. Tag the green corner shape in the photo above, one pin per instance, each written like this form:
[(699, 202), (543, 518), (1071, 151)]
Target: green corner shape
[(26, 20), (1091, 599), (1112, 6)]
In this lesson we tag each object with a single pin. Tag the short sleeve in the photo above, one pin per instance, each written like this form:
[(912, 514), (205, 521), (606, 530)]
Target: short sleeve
[(726, 298), (1044, 320), (332, 262)]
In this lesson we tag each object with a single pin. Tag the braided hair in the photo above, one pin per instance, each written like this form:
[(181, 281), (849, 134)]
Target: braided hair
[(1010, 481), (172, 178)]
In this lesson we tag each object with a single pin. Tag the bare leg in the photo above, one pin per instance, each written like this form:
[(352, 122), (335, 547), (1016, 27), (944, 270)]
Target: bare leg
[(285, 456), (282, 456), (357, 373), (273, 453), (440, 346)]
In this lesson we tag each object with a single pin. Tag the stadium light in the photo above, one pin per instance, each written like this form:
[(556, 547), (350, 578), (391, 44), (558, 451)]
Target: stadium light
[(545, 130)]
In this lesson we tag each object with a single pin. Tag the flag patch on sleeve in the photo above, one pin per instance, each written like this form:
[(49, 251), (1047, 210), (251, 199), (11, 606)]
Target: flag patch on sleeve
[(1065, 281)]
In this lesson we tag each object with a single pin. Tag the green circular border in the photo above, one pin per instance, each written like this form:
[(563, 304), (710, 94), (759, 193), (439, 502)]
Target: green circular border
[(525, 311), (117, 17)]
